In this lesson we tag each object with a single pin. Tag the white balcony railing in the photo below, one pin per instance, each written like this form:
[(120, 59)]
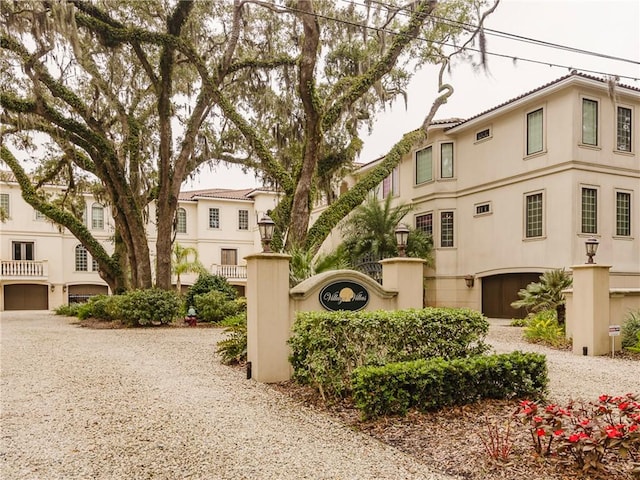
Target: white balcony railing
[(24, 269), (231, 271)]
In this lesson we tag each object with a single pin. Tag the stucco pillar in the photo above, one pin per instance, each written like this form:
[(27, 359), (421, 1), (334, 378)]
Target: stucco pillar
[(405, 276), (268, 327), (590, 309)]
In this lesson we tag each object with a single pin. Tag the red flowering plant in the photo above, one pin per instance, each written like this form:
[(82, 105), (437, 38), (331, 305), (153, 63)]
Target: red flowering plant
[(586, 433)]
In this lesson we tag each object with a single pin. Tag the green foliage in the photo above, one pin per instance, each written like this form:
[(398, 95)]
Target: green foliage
[(436, 383), (233, 349), (100, 307), (546, 294), (148, 307), (630, 335), (70, 310), (206, 283), (327, 346), (182, 263), (370, 229), (215, 306), (304, 264), (519, 322), (543, 327)]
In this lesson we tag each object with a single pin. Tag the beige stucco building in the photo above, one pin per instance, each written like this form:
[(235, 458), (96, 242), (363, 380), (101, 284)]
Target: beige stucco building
[(516, 190), (43, 266), (507, 194)]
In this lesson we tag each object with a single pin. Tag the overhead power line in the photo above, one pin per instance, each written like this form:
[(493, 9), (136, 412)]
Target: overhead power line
[(493, 32)]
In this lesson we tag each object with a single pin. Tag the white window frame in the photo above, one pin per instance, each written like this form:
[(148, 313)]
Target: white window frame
[(629, 193), (23, 250), (97, 222), (81, 258), (39, 216), (243, 223), (581, 191), (543, 128), (480, 205), (587, 141), (214, 221), (453, 165), (5, 202), (617, 127), (525, 215), (441, 230), (424, 214), (415, 166), (489, 135), (181, 220)]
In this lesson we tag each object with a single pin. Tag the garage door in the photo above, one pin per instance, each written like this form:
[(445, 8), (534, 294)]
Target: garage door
[(82, 293), (498, 291), (26, 297)]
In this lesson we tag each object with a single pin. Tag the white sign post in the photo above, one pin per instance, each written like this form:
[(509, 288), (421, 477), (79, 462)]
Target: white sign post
[(614, 331)]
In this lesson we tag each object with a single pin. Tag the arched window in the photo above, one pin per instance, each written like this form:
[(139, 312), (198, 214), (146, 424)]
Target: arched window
[(97, 217), (181, 220), (81, 259)]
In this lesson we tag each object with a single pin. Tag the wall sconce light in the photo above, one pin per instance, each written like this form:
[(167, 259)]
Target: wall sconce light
[(64, 288), (592, 247), (266, 227), (53, 288), (402, 234), (469, 280)]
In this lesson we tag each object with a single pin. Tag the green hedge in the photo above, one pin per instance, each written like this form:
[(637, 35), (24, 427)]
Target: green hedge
[(328, 346), (432, 384)]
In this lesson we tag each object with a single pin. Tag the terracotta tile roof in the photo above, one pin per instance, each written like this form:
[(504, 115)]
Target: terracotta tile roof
[(542, 87), (225, 193)]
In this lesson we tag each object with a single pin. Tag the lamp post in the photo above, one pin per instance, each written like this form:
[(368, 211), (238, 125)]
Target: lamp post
[(402, 234), (591, 246), (266, 227)]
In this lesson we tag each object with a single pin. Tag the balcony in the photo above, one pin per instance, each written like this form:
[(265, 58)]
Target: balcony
[(24, 269), (231, 272)]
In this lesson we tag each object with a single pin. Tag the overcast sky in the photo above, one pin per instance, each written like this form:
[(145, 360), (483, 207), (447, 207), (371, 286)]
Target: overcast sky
[(608, 27)]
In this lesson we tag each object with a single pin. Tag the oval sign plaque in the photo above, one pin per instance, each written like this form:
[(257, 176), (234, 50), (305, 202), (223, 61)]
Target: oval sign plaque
[(344, 295)]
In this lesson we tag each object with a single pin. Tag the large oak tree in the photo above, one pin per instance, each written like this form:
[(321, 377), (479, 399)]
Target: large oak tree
[(140, 95)]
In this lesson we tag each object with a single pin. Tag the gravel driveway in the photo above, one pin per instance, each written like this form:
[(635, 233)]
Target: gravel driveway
[(156, 404)]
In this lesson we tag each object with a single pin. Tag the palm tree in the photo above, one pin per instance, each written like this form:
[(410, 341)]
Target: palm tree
[(305, 264), (181, 264), (370, 229), (546, 294)]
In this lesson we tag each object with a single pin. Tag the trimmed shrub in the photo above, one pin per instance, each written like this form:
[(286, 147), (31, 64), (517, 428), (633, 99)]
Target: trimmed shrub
[(148, 307), (70, 310), (436, 383), (207, 283), (328, 346), (100, 307), (215, 306)]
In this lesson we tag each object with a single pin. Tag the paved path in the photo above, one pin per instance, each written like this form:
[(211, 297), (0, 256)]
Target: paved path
[(156, 404)]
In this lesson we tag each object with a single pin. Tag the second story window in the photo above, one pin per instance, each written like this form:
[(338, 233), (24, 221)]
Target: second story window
[(534, 132), (22, 250), (623, 129), (243, 219), (533, 216), (4, 205), (390, 184), (82, 264), (589, 122), (623, 214), (589, 202), (446, 160), (214, 218), (446, 229), (97, 217), (424, 165), (181, 220), (424, 223)]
